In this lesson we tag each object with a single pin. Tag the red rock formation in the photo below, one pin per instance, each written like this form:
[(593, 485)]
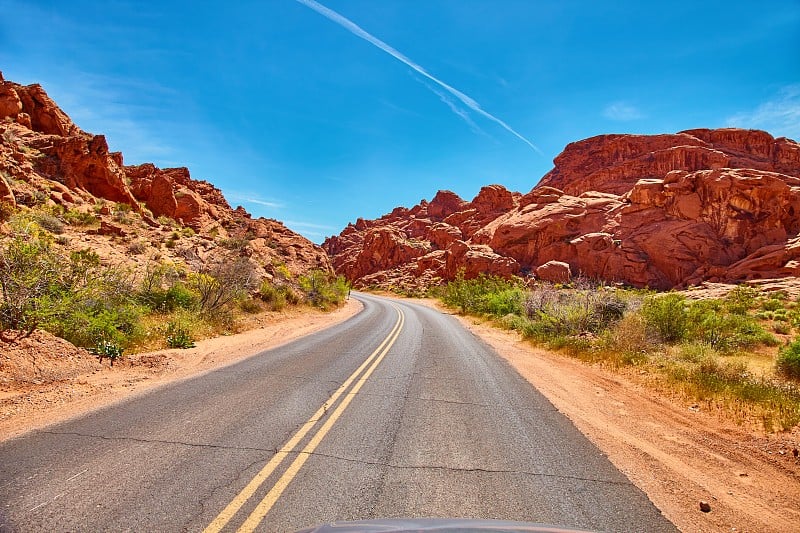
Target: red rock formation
[(661, 211), (41, 149)]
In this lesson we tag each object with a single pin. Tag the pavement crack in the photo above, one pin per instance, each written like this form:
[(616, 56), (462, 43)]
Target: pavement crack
[(161, 441), (470, 470)]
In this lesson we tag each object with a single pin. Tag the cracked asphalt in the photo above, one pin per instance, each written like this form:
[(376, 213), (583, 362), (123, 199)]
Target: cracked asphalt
[(442, 428)]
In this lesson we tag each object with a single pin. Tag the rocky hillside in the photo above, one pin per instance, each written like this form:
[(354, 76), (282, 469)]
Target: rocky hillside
[(129, 214), (664, 211)]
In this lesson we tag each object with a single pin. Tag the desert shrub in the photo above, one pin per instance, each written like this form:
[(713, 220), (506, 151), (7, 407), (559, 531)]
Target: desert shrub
[(503, 302), (709, 323), (788, 361), (165, 220), (781, 328), (667, 316), (628, 336), (6, 211), (741, 300), (76, 217), (108, 349), (694, 352), (484, 295), (323, 290), (85, 324), (772, 304), (570, 312), (249, 305), (73, 296), (235, 244), (273, 296), (221, 283), (162, 289), (178, 336), (121, 212), (51, 223), (137, 247), (169, 299), (29, 269)]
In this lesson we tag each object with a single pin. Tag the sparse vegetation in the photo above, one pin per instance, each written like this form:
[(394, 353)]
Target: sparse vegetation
[(788, 362), (701, 348), (178, 336), (323, 290)]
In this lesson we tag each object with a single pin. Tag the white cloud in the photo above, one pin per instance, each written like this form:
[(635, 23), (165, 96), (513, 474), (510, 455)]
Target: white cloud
[(622, 111), (779, 116), (363, 34), (458, 111), (308, 225), (253, 199)]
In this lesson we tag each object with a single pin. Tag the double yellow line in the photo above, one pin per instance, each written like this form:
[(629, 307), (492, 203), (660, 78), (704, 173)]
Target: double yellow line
[(280, 485)]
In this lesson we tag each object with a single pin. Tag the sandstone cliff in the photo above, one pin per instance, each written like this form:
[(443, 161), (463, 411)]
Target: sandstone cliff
[(142, 211), (662, 211)]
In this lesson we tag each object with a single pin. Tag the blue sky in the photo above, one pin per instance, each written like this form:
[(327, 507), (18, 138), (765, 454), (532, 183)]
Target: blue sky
[(316, 114)]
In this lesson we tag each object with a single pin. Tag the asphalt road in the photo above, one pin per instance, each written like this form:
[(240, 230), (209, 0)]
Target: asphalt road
[(398, 412)]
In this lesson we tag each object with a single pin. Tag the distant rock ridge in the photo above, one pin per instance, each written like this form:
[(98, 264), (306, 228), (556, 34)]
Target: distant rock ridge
[(662, 211), (44, 156)]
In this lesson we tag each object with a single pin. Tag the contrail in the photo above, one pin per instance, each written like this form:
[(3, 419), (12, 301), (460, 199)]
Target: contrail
[(359, 32)]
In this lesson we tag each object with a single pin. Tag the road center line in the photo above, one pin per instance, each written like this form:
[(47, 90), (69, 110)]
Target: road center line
[(275, 492), (247, 492)]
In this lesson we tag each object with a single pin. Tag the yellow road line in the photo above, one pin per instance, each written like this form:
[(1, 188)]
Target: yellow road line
[(247, 492), (275, 492)]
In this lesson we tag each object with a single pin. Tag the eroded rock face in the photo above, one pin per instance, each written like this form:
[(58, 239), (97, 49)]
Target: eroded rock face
[(45, 157), (662, 211)]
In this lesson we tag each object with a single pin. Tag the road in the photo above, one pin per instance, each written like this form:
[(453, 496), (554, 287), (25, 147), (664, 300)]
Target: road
[(397, 412)]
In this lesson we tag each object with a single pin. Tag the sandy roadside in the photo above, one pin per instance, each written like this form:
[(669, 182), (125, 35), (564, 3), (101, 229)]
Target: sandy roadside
[(98, 385), (675, 452)]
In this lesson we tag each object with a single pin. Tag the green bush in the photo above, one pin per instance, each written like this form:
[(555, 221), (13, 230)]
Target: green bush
[(667, 316), (788, 362), (273, 296), (709, 323), (178, 336), (166, 300), (29, 271), (741, 300), (488, 295), (76, 217), (108, 349), (323, 290), (772, 304)]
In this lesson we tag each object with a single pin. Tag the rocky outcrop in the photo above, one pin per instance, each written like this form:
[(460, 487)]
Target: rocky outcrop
[(662, 211), (46, 158)]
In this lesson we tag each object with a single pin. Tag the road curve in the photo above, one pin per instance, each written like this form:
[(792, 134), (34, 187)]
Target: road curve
[(397, 412)]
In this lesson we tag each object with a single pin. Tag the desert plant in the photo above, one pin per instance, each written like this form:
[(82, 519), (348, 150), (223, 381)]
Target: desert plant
[(249, 305), (741, 299), (788, 361), (667, 316), (323, 290), (221, 283), (76, 217), (137, 247), (29, 268), (108, 349), (178, 336), (51, 223)]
